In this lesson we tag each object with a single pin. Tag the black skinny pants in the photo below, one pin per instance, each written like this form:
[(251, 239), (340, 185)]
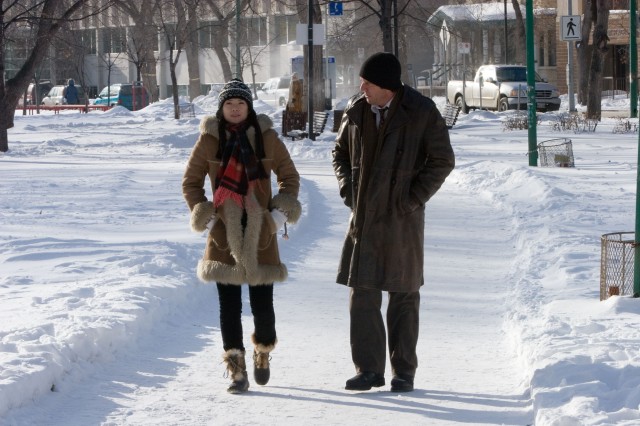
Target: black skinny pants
[(264, 317)]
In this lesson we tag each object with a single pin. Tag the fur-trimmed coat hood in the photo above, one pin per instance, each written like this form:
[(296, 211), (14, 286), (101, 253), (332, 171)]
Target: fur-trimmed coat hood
[(237, 253)]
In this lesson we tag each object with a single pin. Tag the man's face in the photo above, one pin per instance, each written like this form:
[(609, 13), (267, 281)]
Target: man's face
[(375, 95)]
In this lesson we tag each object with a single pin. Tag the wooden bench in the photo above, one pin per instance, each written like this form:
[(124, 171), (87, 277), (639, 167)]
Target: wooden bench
[(319, 122), (450, 114)]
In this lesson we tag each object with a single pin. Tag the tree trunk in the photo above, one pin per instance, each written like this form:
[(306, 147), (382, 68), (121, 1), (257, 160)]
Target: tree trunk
[(598, 52), (520, 39), (174, 89), (224, 62), (192, 49), (583, 51), (146, 34)]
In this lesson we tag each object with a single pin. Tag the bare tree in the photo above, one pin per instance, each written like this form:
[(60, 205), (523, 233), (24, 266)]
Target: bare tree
[(224, 13), (599, 49), (173, 20), (45, 17), (144, 39)]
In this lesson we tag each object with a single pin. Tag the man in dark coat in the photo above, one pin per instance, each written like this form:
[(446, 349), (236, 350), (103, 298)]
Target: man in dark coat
[(392, 154)]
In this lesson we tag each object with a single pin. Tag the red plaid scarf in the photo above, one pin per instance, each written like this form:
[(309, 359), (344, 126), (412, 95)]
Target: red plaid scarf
[(239, 170)]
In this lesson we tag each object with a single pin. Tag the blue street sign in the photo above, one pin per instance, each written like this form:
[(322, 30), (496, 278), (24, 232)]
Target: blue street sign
[(335, 8)]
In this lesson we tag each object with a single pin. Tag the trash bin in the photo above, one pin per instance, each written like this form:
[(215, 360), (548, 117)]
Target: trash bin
[(616, 264), (556, 152)]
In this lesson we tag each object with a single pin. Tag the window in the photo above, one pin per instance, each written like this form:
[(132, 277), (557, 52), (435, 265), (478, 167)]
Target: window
[(114, 40), (285, 28), (210, 33), (254, 31), (88, 40)]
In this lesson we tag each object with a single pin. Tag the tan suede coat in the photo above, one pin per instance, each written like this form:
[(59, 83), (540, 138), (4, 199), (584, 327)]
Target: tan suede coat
[(386, 177), (235, 254)]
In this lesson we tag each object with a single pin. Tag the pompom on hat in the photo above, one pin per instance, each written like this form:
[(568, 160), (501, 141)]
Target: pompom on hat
[(382, 69), (235, 88)]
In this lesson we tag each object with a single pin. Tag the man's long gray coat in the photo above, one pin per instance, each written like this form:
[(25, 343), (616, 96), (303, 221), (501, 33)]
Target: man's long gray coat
[(384, 245)]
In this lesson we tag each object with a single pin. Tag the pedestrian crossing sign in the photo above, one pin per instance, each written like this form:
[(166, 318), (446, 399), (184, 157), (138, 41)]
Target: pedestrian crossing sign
[(570, 28)]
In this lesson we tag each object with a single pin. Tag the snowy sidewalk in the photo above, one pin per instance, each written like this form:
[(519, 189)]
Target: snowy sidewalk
[(466, 374)]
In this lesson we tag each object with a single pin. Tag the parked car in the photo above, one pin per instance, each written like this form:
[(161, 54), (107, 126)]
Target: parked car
[(123, 94), (275, 91), (56, 96), (34, 98)]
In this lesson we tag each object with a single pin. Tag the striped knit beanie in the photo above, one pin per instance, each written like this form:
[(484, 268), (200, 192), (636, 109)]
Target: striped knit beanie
[(235, 89)]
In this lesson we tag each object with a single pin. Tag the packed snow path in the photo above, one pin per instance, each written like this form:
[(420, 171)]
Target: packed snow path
[(467, 375)]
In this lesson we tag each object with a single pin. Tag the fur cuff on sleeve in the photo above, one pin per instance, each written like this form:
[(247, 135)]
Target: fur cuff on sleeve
[(289, 205), (200, 215)]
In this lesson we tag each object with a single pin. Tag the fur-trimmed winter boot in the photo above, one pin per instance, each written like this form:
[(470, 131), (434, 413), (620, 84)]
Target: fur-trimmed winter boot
[(237, 369), (261, 358)]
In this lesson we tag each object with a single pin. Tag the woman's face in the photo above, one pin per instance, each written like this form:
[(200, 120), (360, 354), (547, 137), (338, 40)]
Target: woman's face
[(235, 110)]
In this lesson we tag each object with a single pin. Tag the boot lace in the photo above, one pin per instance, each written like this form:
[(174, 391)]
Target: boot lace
[(261, 359)]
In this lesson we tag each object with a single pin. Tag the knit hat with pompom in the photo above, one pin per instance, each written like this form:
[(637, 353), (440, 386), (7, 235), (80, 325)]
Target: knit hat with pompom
[(235, 89)]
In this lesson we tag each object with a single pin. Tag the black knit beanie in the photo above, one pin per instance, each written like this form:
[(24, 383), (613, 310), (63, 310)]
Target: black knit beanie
[(235, 89), (382, 69)]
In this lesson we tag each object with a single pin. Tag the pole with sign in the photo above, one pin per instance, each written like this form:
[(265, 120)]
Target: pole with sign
[(570, 31)]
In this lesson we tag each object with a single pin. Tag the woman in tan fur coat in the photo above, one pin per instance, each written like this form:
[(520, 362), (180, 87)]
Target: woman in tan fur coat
[(239, 151)]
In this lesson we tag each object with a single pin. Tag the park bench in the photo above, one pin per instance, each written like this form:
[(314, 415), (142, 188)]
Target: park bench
[(450, 114), (319, 122)]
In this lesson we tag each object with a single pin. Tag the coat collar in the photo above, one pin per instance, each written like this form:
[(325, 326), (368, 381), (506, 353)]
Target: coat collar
[(409, 101), (209, 124)]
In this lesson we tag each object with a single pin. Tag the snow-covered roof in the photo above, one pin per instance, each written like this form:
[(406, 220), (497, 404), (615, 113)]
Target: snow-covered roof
[(479, 12)]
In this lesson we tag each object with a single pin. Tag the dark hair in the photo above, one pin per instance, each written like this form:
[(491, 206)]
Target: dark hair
[(252, 121)]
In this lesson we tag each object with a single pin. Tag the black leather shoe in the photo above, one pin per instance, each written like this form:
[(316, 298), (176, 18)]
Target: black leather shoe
[(401, 383), (364, 381)]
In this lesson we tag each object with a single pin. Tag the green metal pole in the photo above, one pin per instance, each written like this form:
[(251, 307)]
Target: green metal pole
[(531, 89), (633, 58), (636, 249), (633, 101)]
